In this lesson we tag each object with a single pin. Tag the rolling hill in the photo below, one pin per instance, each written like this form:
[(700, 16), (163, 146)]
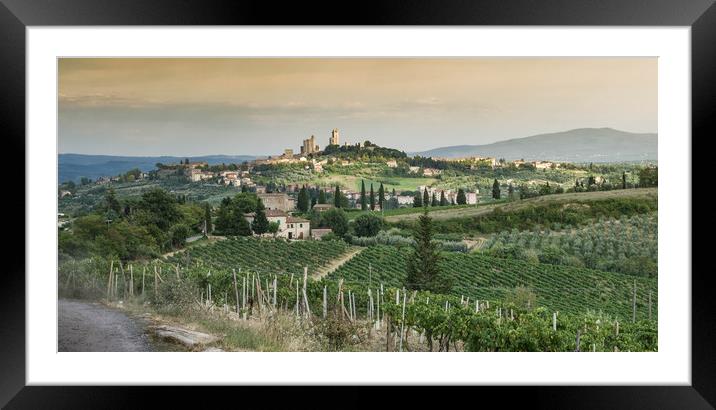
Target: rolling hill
[(578, 145), (72, 167)]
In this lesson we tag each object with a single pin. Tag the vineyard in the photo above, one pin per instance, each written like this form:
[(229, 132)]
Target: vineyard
[(562, 288), (409, 320), (626, 245), (261, 255)]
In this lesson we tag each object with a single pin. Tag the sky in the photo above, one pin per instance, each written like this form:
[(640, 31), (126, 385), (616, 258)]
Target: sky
[(259, 106)]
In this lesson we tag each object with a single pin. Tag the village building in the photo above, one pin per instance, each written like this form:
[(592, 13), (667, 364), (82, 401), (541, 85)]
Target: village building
[(296, 228), (196, 175), (429, 172), (288, 153), (414, 170), (260, 189), (279, 201), (230, 178), (471, 198), (322, 207), (275, 215), (405, 199), (317, 233), (392, 163)]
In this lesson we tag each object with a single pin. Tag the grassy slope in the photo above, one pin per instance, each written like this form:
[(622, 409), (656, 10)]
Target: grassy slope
[(481, 209), (559, 288)]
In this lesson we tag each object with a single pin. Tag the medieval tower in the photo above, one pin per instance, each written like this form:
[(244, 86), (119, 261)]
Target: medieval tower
[(334, 140)]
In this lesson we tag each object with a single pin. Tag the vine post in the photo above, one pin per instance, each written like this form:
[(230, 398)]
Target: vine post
[(236, 290), (402, 322), (633, 304)]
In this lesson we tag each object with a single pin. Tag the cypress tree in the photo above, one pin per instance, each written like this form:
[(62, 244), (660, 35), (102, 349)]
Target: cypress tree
[(422, 264), (337, 197), (443, 200), (260, 224), (363, 203), (461, 199), (372, 198), (510, 191), (434, 201), (426, 197), (244, 188), (207, 218), (322, 197), (623, 180), (381, 196), (417, 200), (302, 204), (496, 189), (242, 225)]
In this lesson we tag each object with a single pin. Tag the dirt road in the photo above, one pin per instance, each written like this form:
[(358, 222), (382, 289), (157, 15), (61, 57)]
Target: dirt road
[(325, 270), (91, 327)]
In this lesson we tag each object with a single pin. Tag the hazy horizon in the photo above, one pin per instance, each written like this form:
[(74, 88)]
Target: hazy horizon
[(258, 107)]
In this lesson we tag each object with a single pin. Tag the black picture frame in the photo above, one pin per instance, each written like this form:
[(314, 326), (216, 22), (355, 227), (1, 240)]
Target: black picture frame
[(16, 15)]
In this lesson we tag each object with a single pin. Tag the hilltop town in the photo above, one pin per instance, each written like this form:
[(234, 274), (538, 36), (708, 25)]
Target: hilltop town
[(363, 175)]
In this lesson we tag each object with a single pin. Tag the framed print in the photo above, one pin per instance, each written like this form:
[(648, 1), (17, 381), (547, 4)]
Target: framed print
[(448, 195)]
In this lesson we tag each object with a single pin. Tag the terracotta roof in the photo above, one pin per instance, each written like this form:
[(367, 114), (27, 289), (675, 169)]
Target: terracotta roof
[(321, 230), (292, 219), (275, 212)]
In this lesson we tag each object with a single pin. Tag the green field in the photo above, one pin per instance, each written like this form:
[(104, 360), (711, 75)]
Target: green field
[(561, 288)]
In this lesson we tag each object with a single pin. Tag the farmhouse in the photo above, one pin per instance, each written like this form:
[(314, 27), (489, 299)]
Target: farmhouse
[(272, 215), (392, 163), (297, 228), (230, 178), (196, 175), (278, 201)]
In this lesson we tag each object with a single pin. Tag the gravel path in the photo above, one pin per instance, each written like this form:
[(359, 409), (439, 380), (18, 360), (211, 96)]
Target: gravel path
[(91, 327)]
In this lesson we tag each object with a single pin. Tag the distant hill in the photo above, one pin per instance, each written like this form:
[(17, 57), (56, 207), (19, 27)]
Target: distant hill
[(578, 145), (72, 167)]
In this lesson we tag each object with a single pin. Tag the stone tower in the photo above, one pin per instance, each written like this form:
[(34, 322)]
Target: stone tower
[(309, 146), (334, 140)]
